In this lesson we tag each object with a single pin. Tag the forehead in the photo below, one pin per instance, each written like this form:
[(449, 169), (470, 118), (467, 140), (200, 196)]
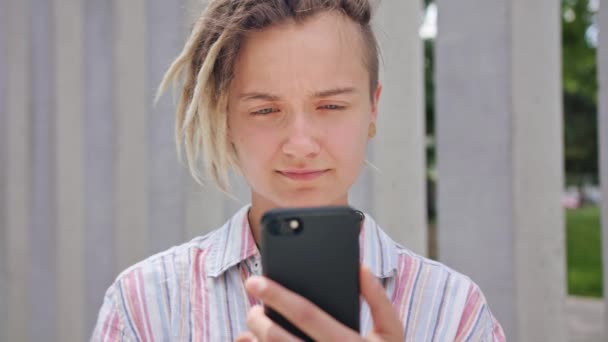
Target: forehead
[(324, 50)]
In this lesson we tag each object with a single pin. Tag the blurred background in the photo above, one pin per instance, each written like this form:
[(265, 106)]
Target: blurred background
[(492, 139)]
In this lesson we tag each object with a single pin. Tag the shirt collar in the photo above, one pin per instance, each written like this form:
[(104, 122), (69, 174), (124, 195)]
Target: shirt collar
[(378, 251), (234, 243), (231, 244)]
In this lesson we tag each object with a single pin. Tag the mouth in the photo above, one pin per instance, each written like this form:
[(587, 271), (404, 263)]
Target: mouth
[(302, 175)]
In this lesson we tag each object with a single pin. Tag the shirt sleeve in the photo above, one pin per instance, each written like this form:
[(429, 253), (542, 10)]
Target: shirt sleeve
[(477, 322), (110, 320)]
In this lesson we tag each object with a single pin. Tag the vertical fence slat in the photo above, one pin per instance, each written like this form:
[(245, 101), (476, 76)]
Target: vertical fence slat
[(131, 226), (99, 146), (500, 158), (538, 170), (473, 149), (3, 172), (398, 150), (205, 208), (43, 270), (165, 185), (89, 176), (205, 205), (69, 108), (18, 170), (196, 204)]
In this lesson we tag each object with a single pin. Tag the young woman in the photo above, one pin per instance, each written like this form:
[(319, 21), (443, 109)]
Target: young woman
[(285, 92)]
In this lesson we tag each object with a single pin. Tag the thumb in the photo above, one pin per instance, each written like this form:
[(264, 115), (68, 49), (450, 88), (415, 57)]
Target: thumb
[(385, 317), (246, 337)]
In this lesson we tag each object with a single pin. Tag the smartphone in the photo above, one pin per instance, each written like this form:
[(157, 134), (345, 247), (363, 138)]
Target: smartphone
[(315, 253)]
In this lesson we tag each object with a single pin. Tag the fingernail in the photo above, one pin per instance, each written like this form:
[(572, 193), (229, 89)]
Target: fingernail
[(256, 284), (246, 337)]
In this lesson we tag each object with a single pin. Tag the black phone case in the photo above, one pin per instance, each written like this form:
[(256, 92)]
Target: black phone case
[(320, 261)]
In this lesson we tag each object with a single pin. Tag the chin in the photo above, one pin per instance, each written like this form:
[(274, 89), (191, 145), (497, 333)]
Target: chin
[(304, 200)]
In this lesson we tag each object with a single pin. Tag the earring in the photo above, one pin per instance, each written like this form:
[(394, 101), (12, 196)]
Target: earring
[(372, 130)]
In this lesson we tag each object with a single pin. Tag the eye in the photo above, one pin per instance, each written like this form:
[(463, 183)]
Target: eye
[(265, 111), (332, 107)]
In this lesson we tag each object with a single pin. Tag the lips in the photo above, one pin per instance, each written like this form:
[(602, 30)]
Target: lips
[(303, 175)]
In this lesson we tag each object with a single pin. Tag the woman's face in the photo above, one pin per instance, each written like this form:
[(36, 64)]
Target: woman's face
[(299, 111)]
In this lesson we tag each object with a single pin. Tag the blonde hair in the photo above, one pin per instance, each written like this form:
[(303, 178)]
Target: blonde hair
[(206, 67)]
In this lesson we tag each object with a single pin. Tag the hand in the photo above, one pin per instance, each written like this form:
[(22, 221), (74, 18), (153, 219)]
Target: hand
[(313, 321)]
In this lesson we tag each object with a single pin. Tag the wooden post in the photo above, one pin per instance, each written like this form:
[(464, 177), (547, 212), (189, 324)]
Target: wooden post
[(500, 158), (69, 168), (18, 196), (99, 160), (398, 189), (42, 267), (131, 227)]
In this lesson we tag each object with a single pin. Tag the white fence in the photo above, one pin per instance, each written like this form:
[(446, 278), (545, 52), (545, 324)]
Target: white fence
[(90, 183)]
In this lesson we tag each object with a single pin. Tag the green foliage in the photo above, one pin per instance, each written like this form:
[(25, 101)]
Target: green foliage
[(584, 251), (580, 89), (429, 92), (579, 56)]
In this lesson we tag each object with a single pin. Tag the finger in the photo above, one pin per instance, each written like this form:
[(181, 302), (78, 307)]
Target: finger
[(308, 317), (246, 337), (386, 320), (264, 329)]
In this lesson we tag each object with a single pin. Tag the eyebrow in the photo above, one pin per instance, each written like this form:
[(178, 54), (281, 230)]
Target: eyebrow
[(258, 96), (335, 91), (319, 94)]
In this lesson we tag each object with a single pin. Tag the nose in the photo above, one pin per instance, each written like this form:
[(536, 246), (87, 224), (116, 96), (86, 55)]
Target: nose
[(301, 140)]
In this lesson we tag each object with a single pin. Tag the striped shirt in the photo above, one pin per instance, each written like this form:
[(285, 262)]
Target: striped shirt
[(195, 291)]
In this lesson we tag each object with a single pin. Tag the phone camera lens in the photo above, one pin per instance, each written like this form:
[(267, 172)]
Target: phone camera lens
[(294, 224)]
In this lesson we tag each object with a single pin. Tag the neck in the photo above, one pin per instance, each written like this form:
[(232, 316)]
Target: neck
[(255, 216)]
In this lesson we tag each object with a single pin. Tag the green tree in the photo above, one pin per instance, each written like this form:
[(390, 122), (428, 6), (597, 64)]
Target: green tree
[(579, 92), (579, 67)]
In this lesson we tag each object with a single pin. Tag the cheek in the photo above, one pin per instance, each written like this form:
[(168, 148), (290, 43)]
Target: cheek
[(348, 143), (253, 147)]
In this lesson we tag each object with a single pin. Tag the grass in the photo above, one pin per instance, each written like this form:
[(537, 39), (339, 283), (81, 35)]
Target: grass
[(583, 236)]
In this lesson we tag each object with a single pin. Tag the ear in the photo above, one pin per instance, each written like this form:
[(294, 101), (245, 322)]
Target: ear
[(375, 101)]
